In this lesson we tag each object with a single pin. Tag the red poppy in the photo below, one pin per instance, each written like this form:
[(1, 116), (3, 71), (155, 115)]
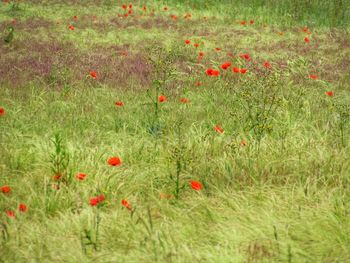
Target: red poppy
[(144, 8), (243, 70), (114, 161), (124, 6), (57, 177), (243, 23), (130, 11), (119, 103), (245, 56), (187, 41), (22, 208), (75, 18), (173, 17), (2, 111), (126, 204), (94, 201), (5, 189), (56, 186), (126, 15), (10, 213), (306, 40), (267, 64), (251, 22), (80, 176), (218, 128), (14, 21), (196, 45), (313, 76), (212, 72), (243, 143), (184, 100), (196, 185), (330, 93), (130, 6), (217, 49), (71, 27), (201, 54), (198, 83), (226, 65), (230, 54), (235, 70), (162, 98), (93, 74), (100, 198)]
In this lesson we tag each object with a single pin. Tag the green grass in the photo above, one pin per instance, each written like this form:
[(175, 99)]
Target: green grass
[(275, 183)]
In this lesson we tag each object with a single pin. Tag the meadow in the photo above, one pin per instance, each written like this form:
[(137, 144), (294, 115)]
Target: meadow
[(175, 131)]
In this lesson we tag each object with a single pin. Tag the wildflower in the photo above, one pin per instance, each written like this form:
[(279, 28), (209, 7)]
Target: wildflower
[(124, 6), (196, 45), (226, 65), (243, 23), (243, 70), (201, 54), (251, 22), (162, 98), (57, 177), (22, 208), (126, 15), (94, 201), (243, 143), (218, 128), (187, 41), (245, 56), (5, 189), (230, 54), (2, 111), (74, 18), (71, 27), (267, 64), (80, 176), (56, 186), (130, 11), (10, 213), (235, 70), (330, 93), (195, 185), (130, 6), (217, 49), (126, 204), (198, 83), (212, 72), (173, 17), (114, 161), (184, 100), (165, 8), (144, 8), (119, 103), (93, 74), (100, 198), (313, 76), (306, 40)]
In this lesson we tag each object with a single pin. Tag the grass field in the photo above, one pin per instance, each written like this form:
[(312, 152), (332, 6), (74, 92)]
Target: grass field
[(175, 131)]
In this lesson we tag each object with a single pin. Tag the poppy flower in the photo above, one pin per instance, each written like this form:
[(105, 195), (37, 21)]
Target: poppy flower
[(130, 11), (56, 186), (100, 198), (230, 54), (162, 98), (330, 93), (313, 76), (126, 15), (80, 176), (195, 185), (267, 64), (114, 161), (126, 204), (196, 45), (201, 54), (235, 70), (57, 177), (5, 189), (94, 201), (130, 6), (243, 143), (243, 70), (306, 40), (173, 17), (184, 100), (218, 128), (144, 8), (187, 41), (93, 74), (217, 49), (75, 18), (2, 111), (71, 27), (251, 22), (124, 6), (14, 22), (243, 23), (198, 83), (212, 72), (226, 65), (22, 208), (10, 213), (119, 103), (245, 56)]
